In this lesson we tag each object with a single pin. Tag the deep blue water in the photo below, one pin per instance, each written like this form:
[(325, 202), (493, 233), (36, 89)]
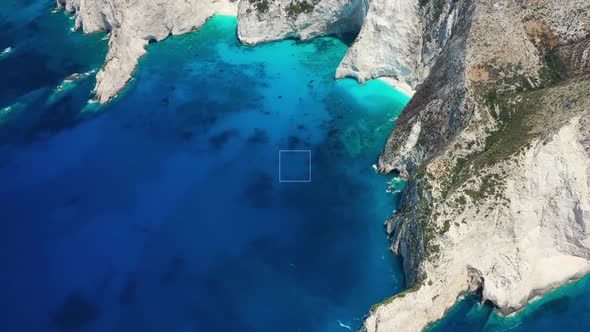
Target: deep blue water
[(165, 210)]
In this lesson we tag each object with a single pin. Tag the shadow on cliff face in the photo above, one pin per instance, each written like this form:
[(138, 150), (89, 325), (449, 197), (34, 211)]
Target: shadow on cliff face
[(347, 37)]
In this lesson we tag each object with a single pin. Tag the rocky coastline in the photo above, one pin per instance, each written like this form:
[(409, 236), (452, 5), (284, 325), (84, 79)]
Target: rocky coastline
[(495, 143)]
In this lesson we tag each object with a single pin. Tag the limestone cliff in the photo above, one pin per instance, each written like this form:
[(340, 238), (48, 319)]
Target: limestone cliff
[(267, 20), (389, 42), (495, 144), (132, 24)]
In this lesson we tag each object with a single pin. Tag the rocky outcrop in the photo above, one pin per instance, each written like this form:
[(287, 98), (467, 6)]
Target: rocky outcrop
[(132, 25), (495, 148), (387, 45), (266, 20), (391, 42)]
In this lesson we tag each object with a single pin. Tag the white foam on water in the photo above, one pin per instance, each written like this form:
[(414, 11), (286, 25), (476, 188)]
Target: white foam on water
[(344, 325)]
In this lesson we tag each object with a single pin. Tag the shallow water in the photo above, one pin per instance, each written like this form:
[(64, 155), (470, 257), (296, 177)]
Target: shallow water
[(165, 210)]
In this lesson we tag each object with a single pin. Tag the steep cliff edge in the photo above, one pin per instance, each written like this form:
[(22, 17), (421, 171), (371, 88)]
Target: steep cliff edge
[(387, 45), (132, 24), (390, 42), (267, 20), (495, 145), (390, 39)]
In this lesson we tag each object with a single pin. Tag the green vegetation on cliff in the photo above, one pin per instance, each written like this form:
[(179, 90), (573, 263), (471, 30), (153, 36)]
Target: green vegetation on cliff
[(261, 5), (415, 288), (297, 7)]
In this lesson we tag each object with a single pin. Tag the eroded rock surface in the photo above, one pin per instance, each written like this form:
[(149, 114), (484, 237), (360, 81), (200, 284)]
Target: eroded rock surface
[(495, 147), (132, 25), (267, 20)]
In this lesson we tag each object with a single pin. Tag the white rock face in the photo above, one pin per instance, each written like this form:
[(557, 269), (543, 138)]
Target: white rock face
[(133, 23), (536, 242), (276, 22), (387, 45), (507, 216)]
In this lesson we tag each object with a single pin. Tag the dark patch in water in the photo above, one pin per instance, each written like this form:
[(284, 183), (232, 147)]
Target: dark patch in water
[(258, 137), (294, 142), (33, 28), (9, 36), (259, 192), (76, 312), (34, 71), (107, 281), (322, 44), (73, 200), (218, 141), (129, 292), (175, 269), (62, 115), (195, 116), (185, 135), (557, 305)]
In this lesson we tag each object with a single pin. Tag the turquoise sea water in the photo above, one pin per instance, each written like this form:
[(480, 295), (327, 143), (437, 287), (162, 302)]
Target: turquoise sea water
[(565, 309), (163, 210)]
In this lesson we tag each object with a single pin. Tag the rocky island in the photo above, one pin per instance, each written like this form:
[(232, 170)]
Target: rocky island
[(495, 143)]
